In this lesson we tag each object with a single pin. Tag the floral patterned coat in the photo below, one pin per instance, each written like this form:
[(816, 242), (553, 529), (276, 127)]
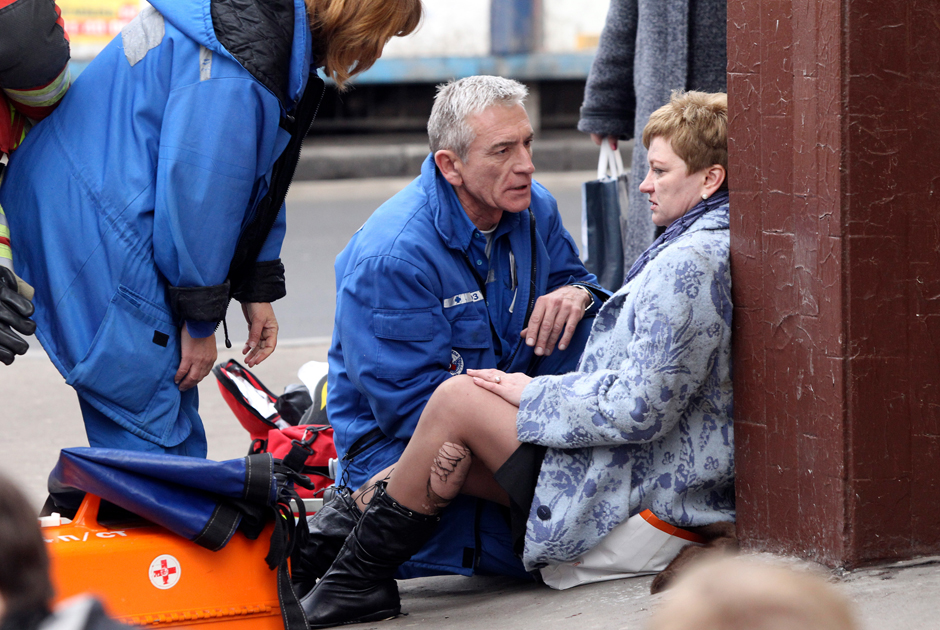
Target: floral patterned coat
[(646, 421)]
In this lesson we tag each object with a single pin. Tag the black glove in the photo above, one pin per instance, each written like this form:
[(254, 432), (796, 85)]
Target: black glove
[(15, 311)]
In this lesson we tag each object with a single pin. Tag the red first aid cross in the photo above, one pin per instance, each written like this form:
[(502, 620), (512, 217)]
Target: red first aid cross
[(164, 571)]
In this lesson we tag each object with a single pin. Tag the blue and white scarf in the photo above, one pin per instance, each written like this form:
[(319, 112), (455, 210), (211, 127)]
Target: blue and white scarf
[(676, 229)]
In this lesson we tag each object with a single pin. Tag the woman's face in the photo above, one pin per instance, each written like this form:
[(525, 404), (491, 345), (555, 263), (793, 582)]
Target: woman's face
[(672, 190)]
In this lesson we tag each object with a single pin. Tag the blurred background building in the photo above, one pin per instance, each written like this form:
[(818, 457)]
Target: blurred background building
[(546, 44)]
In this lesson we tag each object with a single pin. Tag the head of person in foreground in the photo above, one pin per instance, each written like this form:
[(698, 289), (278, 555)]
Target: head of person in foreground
[(25, 588), (747, 594)]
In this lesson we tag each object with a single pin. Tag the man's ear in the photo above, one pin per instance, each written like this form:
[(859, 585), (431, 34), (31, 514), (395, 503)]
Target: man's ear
[(450, 166), (714, 176)]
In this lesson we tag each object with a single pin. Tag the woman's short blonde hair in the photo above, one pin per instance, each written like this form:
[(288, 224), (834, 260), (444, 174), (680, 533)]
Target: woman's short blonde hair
[(349, 35), (696, 124)]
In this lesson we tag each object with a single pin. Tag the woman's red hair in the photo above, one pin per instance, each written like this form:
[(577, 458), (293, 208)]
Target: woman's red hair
[(349, 35)]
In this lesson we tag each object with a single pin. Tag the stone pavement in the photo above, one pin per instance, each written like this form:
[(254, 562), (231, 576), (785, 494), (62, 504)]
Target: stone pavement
[(39, 415)]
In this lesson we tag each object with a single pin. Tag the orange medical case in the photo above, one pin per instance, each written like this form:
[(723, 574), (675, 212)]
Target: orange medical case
[(148, 576)]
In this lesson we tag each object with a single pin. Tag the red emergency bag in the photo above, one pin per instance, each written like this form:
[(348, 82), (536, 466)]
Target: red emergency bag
[(306, 448), (251, 402)]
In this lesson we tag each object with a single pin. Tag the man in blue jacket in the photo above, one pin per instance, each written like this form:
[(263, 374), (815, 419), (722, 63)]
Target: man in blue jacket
[(468, 267)]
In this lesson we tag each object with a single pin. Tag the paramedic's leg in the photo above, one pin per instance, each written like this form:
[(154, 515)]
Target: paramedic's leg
[(103, 432), (195, 445)]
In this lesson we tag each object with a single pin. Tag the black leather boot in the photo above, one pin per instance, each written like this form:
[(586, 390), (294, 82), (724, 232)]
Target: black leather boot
[(328, 528), (359, 585)]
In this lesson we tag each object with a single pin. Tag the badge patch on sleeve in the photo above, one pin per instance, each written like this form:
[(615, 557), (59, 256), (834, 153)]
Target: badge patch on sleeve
[(463, 298), (456, 363)]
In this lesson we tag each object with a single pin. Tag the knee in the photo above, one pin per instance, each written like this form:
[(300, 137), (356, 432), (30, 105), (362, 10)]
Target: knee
[(450, 396), (456, 386), (446, 412)]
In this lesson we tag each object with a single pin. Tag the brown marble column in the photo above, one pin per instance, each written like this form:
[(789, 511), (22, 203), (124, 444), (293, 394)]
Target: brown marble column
[(835, 235)]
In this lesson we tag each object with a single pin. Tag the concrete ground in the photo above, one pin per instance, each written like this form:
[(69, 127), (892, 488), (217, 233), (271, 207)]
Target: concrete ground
[(40, 416)]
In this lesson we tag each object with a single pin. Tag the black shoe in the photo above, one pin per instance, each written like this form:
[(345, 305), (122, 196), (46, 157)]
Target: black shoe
[(359, 585), (328, 528)]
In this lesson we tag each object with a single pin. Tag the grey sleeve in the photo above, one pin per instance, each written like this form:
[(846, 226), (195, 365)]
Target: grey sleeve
[(609, 105)]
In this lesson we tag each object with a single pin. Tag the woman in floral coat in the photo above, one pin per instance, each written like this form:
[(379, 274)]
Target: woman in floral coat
[(645, 422)]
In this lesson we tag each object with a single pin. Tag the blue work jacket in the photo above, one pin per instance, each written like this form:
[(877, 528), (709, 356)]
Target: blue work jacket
[(143, 181), (412, 310)]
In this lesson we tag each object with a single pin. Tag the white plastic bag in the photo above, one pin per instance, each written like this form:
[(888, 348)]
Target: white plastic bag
[(641, 545)]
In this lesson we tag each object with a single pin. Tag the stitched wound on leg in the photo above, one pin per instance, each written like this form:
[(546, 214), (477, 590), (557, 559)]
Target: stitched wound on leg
[(448, 473)]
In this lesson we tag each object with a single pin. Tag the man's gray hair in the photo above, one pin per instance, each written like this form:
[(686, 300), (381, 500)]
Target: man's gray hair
[(457, 100)]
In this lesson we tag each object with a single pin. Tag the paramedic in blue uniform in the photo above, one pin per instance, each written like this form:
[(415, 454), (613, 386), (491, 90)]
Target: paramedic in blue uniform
[(468, 267), (153, 195)]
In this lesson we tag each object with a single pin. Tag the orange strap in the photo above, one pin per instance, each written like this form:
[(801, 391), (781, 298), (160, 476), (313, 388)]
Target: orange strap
[(672, 530)]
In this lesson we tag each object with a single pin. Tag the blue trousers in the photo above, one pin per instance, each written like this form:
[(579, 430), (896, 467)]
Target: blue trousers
[(103, 432)]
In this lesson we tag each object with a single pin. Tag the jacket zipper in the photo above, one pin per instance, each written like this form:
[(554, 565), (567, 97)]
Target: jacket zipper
[(295, 158), (532, 287), (300, 145)]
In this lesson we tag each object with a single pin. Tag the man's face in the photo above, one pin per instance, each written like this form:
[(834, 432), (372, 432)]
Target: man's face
[(497, 174)]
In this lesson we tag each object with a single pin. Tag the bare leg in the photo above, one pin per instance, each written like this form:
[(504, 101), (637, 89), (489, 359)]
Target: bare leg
[(479, 483), (459, 417)]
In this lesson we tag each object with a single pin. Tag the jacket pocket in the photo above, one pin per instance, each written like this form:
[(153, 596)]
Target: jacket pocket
[(130, 359), (470, 333), (403, 325), (404, 341)]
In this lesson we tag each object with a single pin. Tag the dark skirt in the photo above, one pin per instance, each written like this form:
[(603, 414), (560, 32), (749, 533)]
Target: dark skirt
[(518, 476)]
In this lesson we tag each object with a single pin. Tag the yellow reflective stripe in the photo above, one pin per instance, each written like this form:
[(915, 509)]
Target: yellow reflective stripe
[(4, 227), (5, 251), (48, 95)]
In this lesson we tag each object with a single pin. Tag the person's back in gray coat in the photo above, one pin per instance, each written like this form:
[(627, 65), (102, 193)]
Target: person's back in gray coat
[(649, 48)]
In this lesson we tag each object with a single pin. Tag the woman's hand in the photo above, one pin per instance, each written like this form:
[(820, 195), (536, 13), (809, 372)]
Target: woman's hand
[(198, 357), (507, 386), (262, 332), (612, 140)]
